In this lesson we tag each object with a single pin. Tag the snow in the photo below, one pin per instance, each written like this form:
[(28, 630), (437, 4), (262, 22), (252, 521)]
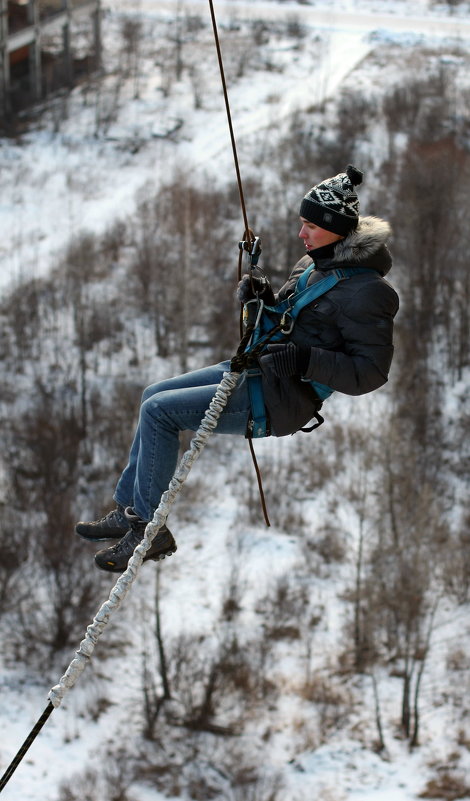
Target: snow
[(57, 182), (61, 182), (88, 184)]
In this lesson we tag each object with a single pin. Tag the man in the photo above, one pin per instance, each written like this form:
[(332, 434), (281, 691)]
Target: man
[(340, 341)]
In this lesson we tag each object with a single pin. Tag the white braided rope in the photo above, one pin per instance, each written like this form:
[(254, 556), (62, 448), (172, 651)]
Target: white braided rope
[(123, 584)]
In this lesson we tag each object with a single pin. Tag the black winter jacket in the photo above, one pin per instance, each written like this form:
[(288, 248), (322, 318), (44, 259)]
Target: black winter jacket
[(349, 329)]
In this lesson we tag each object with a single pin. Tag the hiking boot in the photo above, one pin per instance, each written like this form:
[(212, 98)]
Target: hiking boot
[(111, 527), (116, 557)]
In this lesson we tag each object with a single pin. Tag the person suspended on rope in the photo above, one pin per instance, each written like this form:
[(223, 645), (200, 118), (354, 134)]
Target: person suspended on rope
[(341, 340)]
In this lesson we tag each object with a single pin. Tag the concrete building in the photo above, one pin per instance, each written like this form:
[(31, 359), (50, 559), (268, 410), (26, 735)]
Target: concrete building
[(45, 45)]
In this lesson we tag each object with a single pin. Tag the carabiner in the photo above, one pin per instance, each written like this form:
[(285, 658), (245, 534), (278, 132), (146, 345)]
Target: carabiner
[(282, 323), (253, 248)]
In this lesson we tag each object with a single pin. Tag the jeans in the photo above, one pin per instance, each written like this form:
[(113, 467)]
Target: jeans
[(168, 407)]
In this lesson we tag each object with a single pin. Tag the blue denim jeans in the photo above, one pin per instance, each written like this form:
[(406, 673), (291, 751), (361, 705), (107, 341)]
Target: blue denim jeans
[(168, 407)]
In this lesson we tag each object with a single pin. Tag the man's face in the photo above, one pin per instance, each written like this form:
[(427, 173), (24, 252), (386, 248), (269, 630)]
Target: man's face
[(315, 237)]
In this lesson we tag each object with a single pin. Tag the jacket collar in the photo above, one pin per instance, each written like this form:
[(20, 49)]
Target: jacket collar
[(363, 247), (326, 252)]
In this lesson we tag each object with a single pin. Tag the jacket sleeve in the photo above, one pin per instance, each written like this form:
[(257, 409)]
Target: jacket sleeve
[(366, 327)]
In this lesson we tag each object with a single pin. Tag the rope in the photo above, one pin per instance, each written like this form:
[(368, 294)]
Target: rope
[(260, 483), (124, 582), (24, 748), (248, 235), (229, 119)]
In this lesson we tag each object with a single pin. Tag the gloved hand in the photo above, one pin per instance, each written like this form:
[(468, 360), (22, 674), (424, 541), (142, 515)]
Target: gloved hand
[(249, 285), (286, 359)]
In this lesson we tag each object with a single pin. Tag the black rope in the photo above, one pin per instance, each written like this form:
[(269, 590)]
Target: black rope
[(260, 483), (24, 748), (229, 119), (248, 235)]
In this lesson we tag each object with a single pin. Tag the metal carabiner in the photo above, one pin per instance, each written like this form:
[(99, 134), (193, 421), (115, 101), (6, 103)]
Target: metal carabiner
[(253, 248), (282, 323), (250, 309)]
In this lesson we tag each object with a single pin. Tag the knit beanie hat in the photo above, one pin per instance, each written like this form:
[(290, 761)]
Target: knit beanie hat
[(333, 203)]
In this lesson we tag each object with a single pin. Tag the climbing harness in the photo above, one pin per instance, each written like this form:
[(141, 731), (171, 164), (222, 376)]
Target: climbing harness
[(265, 324)]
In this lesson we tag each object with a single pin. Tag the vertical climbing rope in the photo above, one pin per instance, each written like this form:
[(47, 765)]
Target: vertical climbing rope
[(248, 234)]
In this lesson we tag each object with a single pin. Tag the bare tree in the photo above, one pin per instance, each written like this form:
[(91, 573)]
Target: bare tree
[(132, 32), (155, 697), (43, 446)]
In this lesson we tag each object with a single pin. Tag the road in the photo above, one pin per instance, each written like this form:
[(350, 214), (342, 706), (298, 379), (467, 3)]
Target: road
[(323, 16)]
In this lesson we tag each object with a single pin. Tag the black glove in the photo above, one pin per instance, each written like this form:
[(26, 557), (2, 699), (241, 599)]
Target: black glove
[(287, 359), (249, 286)]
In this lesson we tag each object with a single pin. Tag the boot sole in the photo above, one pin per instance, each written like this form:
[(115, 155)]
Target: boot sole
[(159, 556), (110, 567)]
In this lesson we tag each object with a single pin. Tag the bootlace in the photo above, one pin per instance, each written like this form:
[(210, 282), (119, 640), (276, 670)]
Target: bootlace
[(131, 539), (112, 517)]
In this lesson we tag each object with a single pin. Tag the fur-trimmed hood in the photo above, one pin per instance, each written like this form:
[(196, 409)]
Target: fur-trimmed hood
[(365, 246)]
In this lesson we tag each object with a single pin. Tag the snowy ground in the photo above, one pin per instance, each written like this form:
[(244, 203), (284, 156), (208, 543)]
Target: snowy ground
[(57, 183), (343, 769)]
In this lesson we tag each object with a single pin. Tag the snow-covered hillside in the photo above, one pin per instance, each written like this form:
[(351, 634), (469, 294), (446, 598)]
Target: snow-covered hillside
[(87, 173), (310, 730)]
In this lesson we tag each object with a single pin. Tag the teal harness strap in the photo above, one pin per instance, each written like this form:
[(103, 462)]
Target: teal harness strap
[(258, 424), (303, 278), (267, 330)]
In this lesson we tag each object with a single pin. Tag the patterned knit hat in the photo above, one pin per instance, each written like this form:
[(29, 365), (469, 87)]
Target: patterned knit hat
[(333, 203)]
